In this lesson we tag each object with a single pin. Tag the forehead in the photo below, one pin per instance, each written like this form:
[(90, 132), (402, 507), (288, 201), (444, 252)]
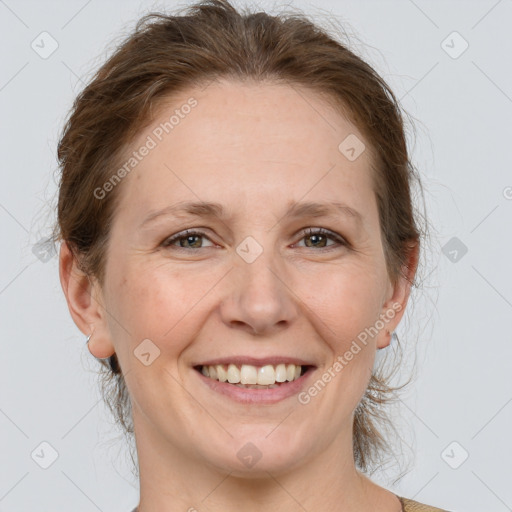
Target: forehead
[(248, 138)]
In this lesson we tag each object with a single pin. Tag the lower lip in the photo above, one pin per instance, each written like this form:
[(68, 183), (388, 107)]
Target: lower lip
[(257, 396)]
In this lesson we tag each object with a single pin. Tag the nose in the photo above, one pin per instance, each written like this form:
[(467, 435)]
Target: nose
[(259, 300)]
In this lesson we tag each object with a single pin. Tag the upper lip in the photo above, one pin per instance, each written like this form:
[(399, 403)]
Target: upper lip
[(255, 361)]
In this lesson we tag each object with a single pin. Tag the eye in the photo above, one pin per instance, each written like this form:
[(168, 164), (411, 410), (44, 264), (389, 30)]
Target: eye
[(320, 236), (187, 240), (191, 239)]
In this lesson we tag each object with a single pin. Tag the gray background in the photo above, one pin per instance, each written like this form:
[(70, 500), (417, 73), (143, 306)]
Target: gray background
[(462, 393)]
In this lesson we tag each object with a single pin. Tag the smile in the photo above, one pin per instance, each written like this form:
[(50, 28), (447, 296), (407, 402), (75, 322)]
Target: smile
[(264, 383), (248, 375)]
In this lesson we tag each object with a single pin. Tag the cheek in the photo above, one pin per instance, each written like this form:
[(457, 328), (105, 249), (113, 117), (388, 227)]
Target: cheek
[(156, 302), (348, 311), (347, 300)]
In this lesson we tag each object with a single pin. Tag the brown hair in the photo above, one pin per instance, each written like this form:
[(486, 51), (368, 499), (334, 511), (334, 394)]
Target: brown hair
[(168, 53)]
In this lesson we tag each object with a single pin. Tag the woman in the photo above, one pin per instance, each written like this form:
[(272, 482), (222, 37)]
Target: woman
[(238, 240)]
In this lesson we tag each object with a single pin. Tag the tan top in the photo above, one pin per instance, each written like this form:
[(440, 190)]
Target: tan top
[(414, 506), (407, 506)]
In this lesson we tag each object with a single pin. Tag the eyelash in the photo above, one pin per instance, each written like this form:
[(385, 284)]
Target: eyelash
[(167, 243)]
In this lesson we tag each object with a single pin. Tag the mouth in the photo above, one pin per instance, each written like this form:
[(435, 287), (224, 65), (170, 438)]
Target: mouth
[(254, 377), (255, 383)]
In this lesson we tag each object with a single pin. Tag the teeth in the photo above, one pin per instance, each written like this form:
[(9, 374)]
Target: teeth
[(233, 374), (281, 373), (290, 372), (256, 386), (267, 375), (248, 374), (253, 376), (222, 374)]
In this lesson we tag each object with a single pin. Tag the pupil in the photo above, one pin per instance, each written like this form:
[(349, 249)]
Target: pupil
[(190, 238), (317, 238)]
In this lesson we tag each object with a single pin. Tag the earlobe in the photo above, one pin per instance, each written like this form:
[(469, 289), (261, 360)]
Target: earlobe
[(97, 346), (83, 297)]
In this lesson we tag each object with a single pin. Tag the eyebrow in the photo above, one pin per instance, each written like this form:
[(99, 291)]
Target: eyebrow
[(216, 210)]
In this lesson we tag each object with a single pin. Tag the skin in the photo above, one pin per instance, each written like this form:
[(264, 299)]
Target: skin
[(252, 147)]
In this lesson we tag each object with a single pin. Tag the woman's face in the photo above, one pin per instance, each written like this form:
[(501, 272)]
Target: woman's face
[(247, 285)]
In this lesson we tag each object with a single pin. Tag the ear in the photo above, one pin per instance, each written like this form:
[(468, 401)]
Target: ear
[(397, 296), (85, 303)]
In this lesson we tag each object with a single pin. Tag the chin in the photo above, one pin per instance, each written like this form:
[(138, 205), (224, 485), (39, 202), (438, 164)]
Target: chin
[(257, 454)]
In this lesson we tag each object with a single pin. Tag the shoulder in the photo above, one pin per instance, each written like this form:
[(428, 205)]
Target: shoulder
[(414, 506)]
